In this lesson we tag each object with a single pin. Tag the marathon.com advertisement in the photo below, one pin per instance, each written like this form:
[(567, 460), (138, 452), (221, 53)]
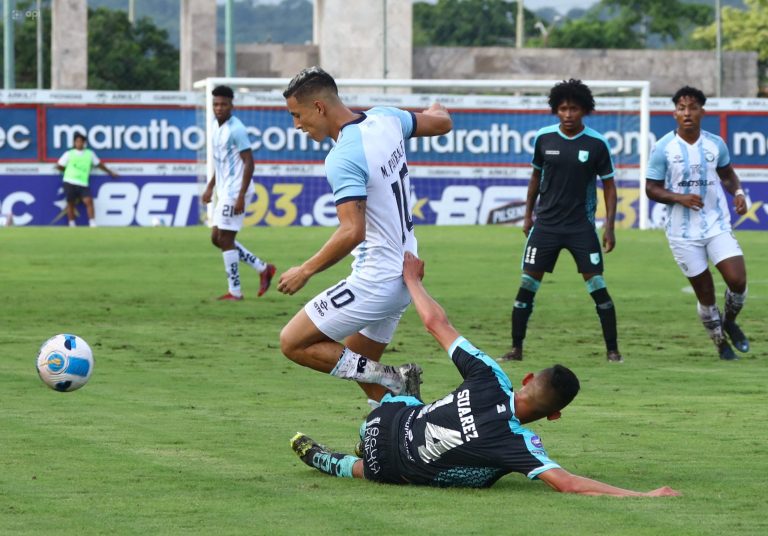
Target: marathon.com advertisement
[(476, 174)]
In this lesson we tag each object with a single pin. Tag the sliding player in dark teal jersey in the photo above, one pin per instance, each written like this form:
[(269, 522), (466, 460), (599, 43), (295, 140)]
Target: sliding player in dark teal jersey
[(567, 159), (471, 437)]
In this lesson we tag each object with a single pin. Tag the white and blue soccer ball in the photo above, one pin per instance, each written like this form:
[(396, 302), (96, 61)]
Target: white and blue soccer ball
[(65, 362)]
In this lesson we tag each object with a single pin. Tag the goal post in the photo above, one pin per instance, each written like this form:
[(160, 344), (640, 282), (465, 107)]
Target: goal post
[(500, 114)]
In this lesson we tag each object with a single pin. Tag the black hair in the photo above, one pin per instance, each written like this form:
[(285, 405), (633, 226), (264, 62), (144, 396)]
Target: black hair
[(79, 135), (574, 91), (688, 91), (310, 81), (223, 91), (564, 383)]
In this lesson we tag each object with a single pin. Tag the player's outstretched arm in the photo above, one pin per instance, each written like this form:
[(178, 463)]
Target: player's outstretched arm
[(434, 121), (349, 233), (565, 482), (106, 170), (431, 313)]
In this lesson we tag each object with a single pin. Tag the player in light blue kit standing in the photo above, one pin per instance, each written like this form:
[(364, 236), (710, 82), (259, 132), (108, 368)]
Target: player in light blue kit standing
[(233, 170), (688, 169), (368, 173)]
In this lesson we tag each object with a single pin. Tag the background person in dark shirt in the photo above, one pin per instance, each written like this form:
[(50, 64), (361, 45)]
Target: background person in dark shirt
[(567, 159), (472, 436)]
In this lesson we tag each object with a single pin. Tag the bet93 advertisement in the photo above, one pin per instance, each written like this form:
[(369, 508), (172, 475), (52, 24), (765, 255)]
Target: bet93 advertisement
[(474, 175)]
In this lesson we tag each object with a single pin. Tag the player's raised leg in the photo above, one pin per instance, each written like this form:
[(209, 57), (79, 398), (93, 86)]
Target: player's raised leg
[(302, 342), (266, 270)]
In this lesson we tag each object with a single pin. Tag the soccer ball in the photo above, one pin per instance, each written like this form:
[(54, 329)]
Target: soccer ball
[(65, 362)]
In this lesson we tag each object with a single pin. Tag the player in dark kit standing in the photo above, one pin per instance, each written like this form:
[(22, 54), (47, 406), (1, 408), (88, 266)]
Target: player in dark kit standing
[(471, 437), (567, 159)]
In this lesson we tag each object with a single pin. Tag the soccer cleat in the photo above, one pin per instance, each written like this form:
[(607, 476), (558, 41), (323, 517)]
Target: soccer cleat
[(739, 340), (726, 352), (359, 449), (305, 448), (266, 278), (410, 374), (515, 354), (229, 297), (614, 356)]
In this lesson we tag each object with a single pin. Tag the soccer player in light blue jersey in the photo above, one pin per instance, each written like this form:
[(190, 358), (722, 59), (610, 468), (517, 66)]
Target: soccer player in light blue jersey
[(344, 329), (233, 171), (688, 169), (471, 437)]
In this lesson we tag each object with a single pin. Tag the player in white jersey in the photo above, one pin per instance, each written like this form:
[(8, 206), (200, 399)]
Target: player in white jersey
[(233, 170), (688, 170), (344, 330)]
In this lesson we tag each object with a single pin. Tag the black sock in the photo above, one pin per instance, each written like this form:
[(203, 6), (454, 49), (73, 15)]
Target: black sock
[(521, 312), (607, 314)]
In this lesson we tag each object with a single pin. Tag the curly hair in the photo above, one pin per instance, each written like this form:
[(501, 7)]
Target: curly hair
[(310, 81), (223, 91), (688, 91), (574, 91)]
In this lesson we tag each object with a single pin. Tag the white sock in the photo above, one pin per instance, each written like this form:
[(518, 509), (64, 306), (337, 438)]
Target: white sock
[(72, 223), (92, 223), (375, 404), (249, 258), (353, 366), (231, 258), (710, 317)]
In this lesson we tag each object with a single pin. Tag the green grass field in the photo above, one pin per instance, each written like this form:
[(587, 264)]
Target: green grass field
[(184, 426)]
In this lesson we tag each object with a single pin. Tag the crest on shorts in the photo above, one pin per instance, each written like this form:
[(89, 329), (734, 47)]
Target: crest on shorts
[(594, 258), (583, 156)]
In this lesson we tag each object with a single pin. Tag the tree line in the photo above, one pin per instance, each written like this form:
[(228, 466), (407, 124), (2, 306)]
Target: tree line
[(144, 55)]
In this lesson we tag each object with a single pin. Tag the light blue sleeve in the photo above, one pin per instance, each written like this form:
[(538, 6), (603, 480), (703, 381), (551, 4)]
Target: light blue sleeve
[(725, 157), (240, 137), (407, 119), (657, 163), (346, 168)]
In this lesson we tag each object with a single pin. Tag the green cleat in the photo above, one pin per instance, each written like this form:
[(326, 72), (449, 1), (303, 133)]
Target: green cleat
[(305, 448)]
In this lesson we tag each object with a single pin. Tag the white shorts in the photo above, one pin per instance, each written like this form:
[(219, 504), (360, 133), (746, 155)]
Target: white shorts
[(692, 256), (353, 305), (224, 215)]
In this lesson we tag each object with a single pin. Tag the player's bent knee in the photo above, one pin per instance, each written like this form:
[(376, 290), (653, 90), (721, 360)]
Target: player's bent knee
[(288, 346)]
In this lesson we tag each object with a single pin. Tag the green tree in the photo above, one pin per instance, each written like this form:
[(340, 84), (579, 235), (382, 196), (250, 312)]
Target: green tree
[(125, 56), (742, 30), (120, 56), (631, 24), (468, 23)]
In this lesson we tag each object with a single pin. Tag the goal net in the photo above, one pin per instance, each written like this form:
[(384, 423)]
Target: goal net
[(476, 174)]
